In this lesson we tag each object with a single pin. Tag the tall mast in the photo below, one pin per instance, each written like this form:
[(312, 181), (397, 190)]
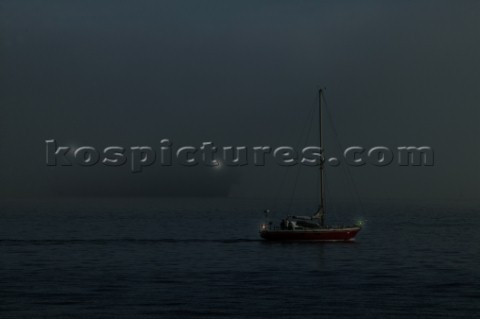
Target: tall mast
[(321, 209)]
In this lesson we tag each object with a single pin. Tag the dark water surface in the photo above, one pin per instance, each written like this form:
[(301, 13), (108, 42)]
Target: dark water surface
[(198, 258)]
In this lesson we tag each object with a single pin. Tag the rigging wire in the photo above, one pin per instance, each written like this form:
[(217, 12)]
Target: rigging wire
[(306, 132), (346, 170), (309, 128), (287, 169)]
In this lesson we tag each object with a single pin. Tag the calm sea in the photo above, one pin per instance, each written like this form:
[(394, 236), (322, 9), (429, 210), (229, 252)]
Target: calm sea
[(202, 258)]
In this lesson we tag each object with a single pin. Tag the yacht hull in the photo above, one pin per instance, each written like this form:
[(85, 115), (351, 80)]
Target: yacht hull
[(323, 234)]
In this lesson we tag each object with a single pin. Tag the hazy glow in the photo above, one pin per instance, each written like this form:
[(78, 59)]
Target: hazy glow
[(360, 222)]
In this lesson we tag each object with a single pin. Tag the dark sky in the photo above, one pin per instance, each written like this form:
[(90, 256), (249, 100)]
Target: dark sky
[(243, 73)]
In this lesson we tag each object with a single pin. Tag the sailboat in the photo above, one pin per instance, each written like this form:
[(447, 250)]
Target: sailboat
[(310, 228)]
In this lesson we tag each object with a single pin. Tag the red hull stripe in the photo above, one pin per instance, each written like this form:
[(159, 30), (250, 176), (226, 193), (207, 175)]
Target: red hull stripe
[(322, 235)]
